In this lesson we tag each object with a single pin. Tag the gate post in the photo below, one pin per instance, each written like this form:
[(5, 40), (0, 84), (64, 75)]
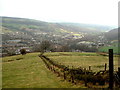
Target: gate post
[(119, 62), (111, 68)]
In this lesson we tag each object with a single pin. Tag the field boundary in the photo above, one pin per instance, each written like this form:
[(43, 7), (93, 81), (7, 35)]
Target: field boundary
[(75, 75)]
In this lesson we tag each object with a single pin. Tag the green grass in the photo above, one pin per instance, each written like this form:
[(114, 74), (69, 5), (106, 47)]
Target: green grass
[(70, 54), (30, 72), (106, 48), (84, 60)]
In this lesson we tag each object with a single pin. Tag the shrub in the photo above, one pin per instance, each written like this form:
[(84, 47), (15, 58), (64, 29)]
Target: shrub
[(23, 51)]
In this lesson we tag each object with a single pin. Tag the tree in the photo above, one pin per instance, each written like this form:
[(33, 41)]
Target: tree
[(36, 48), (45, 45), (65, 48), (23, 51)]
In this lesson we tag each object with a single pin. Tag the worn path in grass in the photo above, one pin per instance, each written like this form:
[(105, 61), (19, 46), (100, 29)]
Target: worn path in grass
[(29, 71)]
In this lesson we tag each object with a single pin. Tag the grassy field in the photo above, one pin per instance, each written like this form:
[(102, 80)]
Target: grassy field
[(29, 71), (77, 59), (106, 48)]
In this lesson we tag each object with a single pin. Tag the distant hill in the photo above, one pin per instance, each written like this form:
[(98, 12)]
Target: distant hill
[(23, 32), (112, 34), (12, 24), (22, 25), (90, 27), (26, 29)]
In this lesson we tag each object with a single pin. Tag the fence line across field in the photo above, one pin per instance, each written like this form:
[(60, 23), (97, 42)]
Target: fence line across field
[(87, 75)]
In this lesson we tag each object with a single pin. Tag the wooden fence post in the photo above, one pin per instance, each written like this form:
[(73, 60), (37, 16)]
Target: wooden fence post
[(85, 77), (105, 66), (111, 68), (89, 67), (64, 74), (72, 75), (119, 71), (119, 64)]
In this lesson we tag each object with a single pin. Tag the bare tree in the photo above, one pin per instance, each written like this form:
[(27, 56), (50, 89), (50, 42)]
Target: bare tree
[(44, 46)]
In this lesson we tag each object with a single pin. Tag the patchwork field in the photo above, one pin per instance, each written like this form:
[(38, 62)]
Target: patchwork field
[(29, 71)]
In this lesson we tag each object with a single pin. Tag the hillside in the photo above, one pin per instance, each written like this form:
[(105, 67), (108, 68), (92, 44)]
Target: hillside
[(28, 25), (112, 34), (21, 28), (25, 25), (89, 27), (29, 71), (20, 33), (29, 28)]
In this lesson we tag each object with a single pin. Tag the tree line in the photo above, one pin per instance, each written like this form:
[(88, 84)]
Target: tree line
[(48, 46)]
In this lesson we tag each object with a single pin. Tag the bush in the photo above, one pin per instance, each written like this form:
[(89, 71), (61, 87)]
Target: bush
[(23, 51)]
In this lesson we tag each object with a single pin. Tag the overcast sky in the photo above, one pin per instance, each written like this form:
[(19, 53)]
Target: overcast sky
[(104, 12)]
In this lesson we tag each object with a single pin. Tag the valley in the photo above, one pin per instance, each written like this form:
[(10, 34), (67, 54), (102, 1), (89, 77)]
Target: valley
[(20, 33), (81, 48)]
